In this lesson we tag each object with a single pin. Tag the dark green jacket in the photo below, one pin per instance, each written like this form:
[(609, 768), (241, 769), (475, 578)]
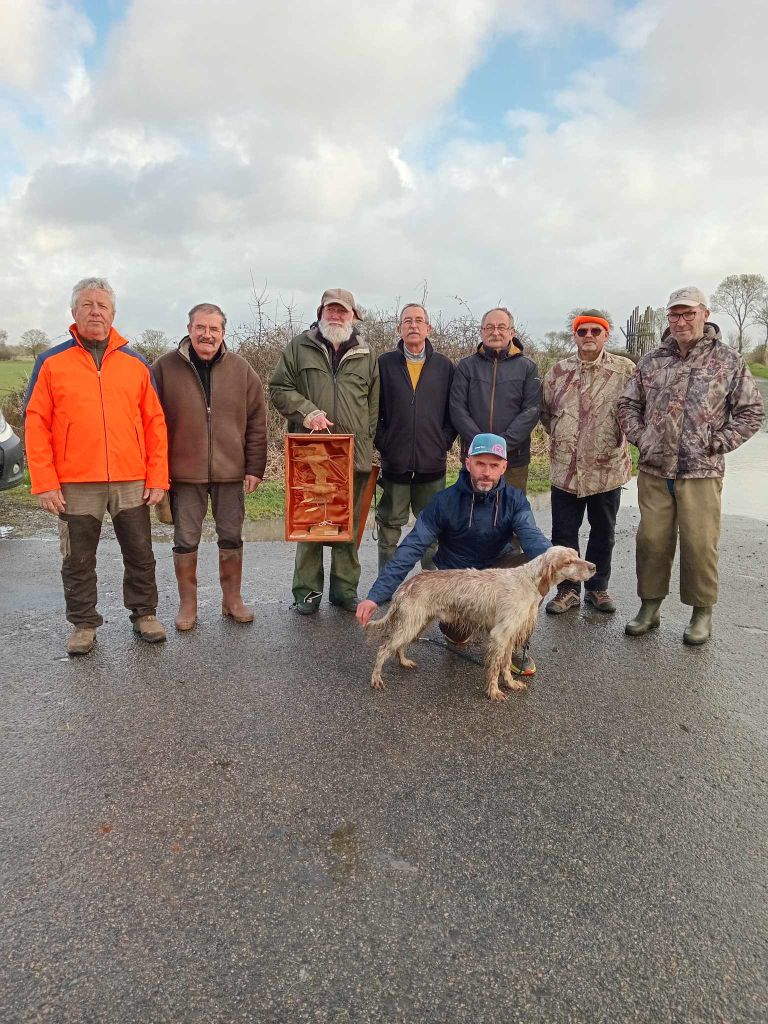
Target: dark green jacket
[(303, 382)]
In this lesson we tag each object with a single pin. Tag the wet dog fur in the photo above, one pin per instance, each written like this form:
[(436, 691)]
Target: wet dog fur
[(504, 602)]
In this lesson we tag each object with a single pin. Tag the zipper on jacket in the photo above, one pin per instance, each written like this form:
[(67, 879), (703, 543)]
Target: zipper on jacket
[(207, 412), (103, 414), (404, 367), (493, 394)]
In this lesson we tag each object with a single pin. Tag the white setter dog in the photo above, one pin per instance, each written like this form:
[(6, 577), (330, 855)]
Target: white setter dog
[(505, 602)]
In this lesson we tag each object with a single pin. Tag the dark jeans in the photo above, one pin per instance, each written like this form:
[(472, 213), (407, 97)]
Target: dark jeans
[(567, 517)]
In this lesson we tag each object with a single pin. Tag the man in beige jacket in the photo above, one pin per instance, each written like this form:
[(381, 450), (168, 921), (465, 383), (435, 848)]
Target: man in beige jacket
[(589, 455)]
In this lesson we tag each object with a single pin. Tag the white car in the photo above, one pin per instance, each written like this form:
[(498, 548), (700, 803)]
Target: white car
[(11, 456)]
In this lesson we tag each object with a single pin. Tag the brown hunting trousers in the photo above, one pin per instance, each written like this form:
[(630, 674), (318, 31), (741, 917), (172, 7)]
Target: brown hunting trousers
[(690, 508), (79, 532)]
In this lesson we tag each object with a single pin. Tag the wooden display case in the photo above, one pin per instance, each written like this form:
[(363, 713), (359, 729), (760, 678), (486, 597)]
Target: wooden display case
[(319, 473)]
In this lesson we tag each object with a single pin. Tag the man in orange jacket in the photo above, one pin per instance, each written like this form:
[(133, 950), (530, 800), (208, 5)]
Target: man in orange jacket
[(96, 442)]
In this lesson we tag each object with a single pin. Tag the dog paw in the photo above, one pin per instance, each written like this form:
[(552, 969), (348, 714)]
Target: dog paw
[(407, 663), (496, 695), (378, 684), (515, 684)]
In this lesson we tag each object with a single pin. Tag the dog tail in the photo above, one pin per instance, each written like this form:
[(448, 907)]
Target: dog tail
[(377, 623)]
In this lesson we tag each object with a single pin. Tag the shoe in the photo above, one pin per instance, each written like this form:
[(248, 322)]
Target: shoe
[(230, 577), (523, 664), (149, 629), (81, 640), (646, 619), (186, 578), (349, 604), (699, 629), (308, 605), (565, 599), (601, 600)]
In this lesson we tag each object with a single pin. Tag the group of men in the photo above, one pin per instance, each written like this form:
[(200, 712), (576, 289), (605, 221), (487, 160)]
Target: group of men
[(104, 432)]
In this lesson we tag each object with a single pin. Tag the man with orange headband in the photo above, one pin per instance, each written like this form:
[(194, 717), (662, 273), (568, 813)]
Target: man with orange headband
[(589, 455)]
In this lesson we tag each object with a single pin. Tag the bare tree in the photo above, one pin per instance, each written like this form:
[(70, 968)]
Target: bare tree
[(152, 344), (34, 342), (760, 318), (740, 296)]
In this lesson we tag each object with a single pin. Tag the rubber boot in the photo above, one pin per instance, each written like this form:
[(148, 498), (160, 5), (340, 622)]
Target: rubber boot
[(699, 629), (646, 619), (186, 577), (230, 576)]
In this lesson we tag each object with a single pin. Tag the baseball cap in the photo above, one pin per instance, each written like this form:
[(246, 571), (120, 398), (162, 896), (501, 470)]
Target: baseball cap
[(342, 297), (688, 296), (488, 444)]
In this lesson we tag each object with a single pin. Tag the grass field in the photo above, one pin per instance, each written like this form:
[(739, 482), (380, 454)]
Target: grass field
[(12, 374), (759, 370)]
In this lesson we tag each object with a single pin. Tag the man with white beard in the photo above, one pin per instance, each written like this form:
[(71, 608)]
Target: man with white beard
[(328, 378)]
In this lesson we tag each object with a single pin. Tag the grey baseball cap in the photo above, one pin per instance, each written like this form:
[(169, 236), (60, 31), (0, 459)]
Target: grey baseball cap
[(342, 297), (688, 296)]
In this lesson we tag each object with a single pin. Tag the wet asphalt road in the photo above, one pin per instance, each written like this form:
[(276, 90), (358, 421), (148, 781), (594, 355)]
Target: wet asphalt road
[(233, 827)]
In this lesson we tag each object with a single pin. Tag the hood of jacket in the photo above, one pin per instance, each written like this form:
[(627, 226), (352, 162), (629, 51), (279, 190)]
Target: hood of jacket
[(515, 348)]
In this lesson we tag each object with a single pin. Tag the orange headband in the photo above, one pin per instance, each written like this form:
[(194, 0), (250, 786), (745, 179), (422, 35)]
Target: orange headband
[(591, 320)]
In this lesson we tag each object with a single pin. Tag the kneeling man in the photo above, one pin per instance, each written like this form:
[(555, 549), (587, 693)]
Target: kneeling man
[(472, 523)]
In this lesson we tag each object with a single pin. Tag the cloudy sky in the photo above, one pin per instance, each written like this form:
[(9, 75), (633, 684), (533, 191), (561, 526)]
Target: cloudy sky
[(539, 153)]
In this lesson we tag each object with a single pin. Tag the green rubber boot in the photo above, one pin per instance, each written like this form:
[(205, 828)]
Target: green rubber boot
[(699, 629), (646, 619)]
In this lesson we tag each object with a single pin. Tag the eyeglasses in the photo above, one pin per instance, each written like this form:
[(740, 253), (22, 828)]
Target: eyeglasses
[(416, 321), (688, 316), (594, 332), (495, 328)]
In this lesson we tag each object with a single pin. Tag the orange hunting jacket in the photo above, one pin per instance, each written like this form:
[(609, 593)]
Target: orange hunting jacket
[(83, 425)]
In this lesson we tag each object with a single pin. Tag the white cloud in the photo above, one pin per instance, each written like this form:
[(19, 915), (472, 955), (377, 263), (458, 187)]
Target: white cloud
[(38, 40), (296, 142)]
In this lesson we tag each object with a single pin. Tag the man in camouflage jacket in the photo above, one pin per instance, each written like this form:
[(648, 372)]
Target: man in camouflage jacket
[(589, 455), (688, 403)]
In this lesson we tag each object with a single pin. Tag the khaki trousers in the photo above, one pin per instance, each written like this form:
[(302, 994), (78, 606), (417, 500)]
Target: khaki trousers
[(79, 532), (690, 507)]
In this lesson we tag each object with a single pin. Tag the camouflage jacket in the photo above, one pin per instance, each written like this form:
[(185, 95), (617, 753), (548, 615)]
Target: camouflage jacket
[(684, 414), (587, 450)]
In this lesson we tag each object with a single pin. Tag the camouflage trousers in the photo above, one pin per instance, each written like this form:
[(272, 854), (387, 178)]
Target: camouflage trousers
[(690, 509)]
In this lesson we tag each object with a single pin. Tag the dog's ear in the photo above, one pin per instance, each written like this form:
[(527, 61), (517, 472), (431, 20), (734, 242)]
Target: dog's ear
[(553, 560)]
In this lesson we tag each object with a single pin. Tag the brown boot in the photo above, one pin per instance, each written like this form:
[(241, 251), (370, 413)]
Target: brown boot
[(186, 578), (82, 640), (149, 629), (230, 576)]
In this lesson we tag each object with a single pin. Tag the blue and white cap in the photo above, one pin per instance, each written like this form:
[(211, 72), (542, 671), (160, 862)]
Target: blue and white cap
[(488, 444)]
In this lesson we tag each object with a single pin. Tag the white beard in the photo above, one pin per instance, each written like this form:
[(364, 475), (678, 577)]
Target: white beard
[(337, 334)]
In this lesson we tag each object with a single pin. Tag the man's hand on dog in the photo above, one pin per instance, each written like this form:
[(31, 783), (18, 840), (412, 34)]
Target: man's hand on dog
[(365, 610)]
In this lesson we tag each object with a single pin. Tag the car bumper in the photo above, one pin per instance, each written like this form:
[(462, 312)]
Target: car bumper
[(11, 462)]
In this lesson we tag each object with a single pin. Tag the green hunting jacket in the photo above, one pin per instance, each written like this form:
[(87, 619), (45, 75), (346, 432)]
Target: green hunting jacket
[(304, 383)]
